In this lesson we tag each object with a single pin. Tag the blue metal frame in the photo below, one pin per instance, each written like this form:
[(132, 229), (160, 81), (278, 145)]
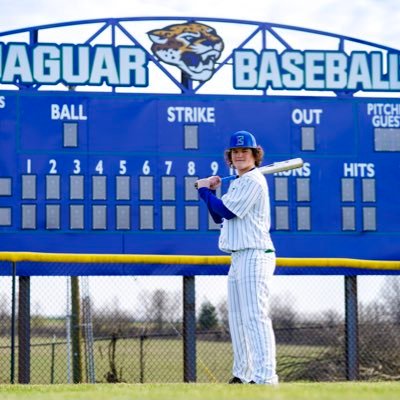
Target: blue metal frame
[(188, 89)]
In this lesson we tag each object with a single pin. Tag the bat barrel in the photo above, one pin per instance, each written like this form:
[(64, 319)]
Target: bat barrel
[(282, 166), (272, 168)]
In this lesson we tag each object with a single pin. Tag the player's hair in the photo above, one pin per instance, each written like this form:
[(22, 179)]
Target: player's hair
[(258, 154)]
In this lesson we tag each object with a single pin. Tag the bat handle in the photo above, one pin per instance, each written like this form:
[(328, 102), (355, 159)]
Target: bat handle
[(228, 178), (224, 179)]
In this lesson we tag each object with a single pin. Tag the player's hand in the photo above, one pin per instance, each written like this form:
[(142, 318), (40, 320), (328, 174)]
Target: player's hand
[(202, 183), (215, 182)]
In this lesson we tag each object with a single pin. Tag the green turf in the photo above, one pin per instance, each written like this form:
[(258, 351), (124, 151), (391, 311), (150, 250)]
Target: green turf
[(285, 391)]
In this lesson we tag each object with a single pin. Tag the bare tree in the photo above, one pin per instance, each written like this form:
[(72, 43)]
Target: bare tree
[(222, 308), (391, 297), (110, 317), (161, 307), (373, 313), (5, 306), (5, 314), (159, 302), (284, 317)]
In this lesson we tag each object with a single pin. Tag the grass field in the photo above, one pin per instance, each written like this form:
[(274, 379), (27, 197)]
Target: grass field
[(285, 391), (162, 361)]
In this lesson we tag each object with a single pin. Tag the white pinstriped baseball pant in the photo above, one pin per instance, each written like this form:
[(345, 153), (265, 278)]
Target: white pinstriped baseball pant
[(253, 339)]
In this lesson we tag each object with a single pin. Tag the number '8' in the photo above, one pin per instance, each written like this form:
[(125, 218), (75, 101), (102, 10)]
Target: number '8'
[(191, 168)]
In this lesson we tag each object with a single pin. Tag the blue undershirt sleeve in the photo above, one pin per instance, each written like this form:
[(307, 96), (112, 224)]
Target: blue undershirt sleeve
[(215, 205)]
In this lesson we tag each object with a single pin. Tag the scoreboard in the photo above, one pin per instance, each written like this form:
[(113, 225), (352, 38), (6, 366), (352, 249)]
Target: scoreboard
[(115, 173)]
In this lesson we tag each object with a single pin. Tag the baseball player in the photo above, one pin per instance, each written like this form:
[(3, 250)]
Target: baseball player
[(244, 212)]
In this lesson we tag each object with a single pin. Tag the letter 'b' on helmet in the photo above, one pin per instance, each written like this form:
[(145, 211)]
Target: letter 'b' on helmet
[(242, 139)]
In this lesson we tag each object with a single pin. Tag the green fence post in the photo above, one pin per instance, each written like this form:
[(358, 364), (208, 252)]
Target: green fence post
[(53, 357), (24, 330), (189, 329), (12, 333), (76, 331), (141, 355), (351, 330)]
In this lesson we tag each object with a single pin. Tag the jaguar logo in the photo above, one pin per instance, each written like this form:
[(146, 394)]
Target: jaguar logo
[(192, 47)]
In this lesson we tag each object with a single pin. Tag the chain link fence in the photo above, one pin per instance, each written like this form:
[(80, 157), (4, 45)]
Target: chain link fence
[(131, 329)]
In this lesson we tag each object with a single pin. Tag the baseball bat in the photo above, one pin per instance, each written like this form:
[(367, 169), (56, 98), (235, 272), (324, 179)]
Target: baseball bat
[(277, 166)]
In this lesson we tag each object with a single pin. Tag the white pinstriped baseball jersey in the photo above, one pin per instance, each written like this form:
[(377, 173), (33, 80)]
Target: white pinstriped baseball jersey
[(248, 199)]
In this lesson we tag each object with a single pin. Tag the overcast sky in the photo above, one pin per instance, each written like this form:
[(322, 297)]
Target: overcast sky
[(372, 20)]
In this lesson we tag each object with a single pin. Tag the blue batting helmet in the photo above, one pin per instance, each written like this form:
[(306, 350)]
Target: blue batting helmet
[(242, 139)]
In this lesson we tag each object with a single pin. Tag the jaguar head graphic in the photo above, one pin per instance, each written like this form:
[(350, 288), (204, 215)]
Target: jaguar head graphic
[(192, 47)]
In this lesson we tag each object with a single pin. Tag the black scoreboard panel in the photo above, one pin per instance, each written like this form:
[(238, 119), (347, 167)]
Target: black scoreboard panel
[(114, 173)]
